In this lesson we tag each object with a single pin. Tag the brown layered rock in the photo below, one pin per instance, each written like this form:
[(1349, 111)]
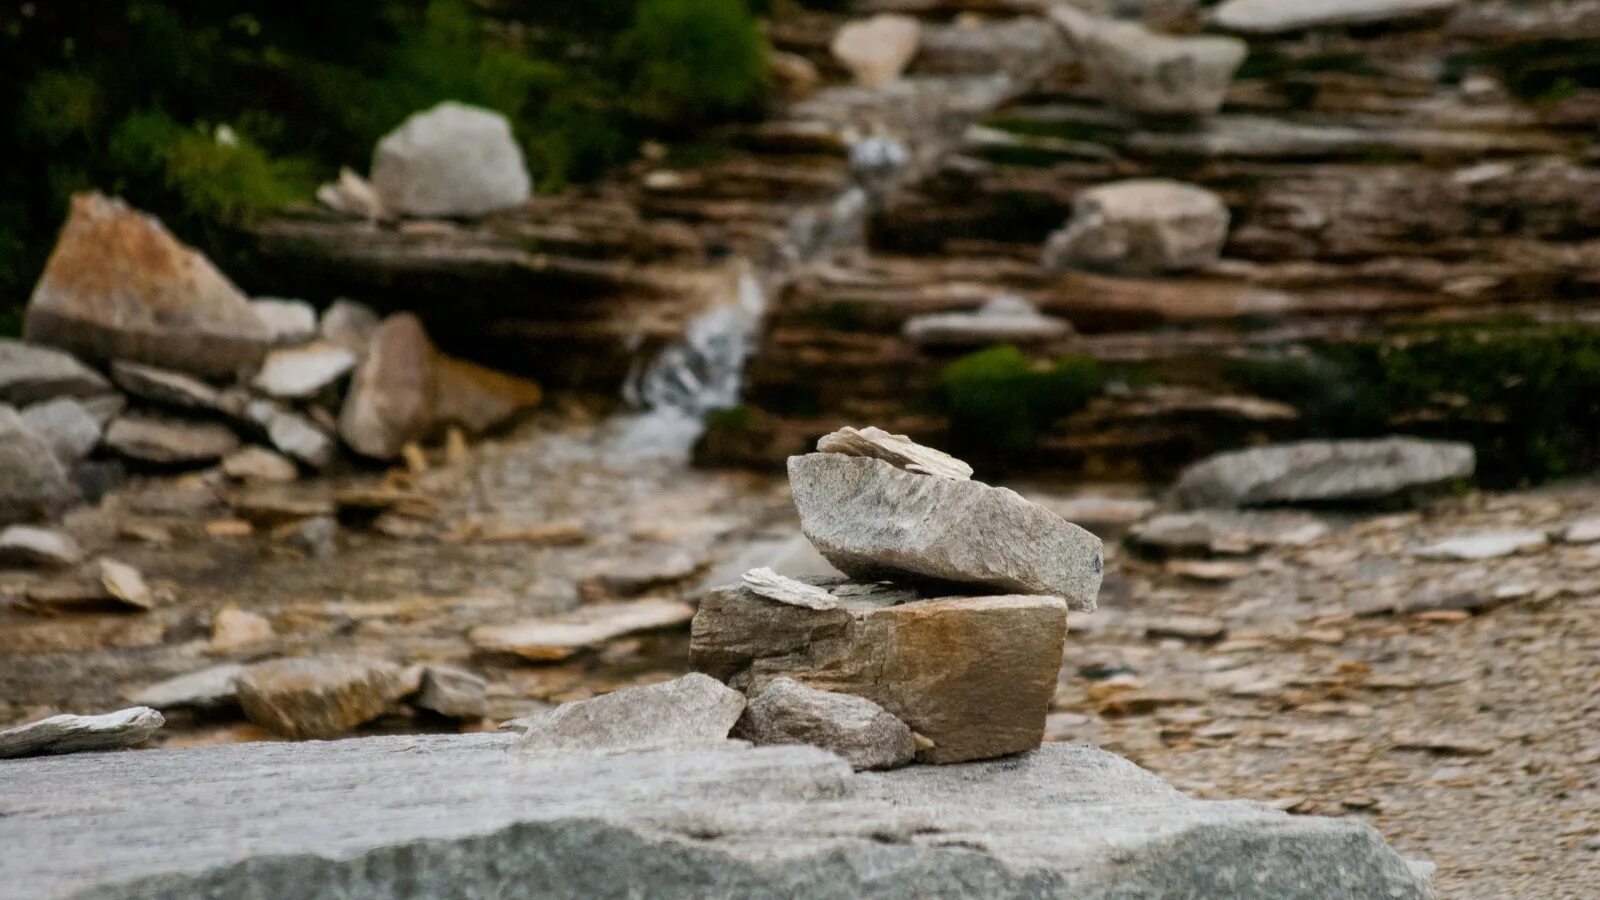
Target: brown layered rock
[(317, 697), (972, 675), (119, 286), (478, 398)]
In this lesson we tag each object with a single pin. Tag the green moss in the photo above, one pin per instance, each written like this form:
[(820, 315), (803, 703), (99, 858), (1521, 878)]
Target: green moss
[(733, 420), (999, 401), (1528, 397), (694, 60)]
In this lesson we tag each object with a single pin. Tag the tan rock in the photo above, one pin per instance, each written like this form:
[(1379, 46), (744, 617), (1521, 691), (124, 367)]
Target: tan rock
[(317, 697), (478, 398), (125, 583), (877, 50), (259, 464), (391, 398), (973, 675), (119, 286), (558, 637), (233, 628)]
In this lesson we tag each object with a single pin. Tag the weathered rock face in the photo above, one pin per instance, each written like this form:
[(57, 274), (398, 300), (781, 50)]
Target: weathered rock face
[(1143, 226), (895, 449), (788, 712), (77, 734), (876, 51), (1066, 821), (875, 521), (391, 397), (119, 286), (317, 697), (1137, 70), (973, 675), (170, 441), (1277, 16), (32, 480), (451, 160), (693, 709), (1324, 472), (29, 374)]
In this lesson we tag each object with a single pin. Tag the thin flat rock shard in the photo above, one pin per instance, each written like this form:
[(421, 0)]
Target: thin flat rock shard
[(769, 584), (895, 449), (78, 734)]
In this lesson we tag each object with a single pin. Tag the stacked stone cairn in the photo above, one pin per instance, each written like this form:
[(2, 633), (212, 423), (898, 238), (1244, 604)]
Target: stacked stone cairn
[(944, 642)]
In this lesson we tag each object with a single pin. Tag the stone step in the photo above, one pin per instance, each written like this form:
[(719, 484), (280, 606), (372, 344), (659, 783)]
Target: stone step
[(458, 816)]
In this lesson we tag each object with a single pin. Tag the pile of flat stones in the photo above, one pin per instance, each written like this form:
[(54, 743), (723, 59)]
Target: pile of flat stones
[(944, 641)]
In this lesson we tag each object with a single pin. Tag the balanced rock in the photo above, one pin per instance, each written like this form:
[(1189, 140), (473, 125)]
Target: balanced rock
[(317, 697), (1352, 471), (1280, 16), (973, 675), (30, 373), (71, 431), (170, 441), (1137, 70), (1142, 226), (391, 398), (119, 286), (788, 712), (894, 449), (33, 482), (875, 521), (79, 734), (693, 709), (451, 160), (877, 50), (1003, 320)]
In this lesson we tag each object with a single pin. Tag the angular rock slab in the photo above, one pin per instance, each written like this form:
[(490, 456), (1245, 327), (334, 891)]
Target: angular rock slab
[(79, 734), (391, 397), (317, 697), (119, 286), (1323, 472), (1279, 16), (875, 521), (694, 709), (861, 731), (458, 816), (974, 675)]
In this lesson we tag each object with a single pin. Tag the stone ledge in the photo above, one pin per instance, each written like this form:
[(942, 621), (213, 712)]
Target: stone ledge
[(457, 816)]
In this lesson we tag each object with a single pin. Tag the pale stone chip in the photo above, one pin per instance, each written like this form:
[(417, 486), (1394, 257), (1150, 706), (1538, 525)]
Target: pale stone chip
[(895, 449), (771, 585)]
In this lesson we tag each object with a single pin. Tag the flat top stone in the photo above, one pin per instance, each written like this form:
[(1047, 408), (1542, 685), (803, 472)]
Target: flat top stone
[(459, 816), (895, 449), (1484, 545), (303, 371), (693, 709)]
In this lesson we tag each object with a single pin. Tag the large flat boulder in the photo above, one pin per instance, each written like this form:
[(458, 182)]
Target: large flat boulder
[(119, 286), (459, 816), (973, 675), (451, 160), (876, 521), (1324, 472)]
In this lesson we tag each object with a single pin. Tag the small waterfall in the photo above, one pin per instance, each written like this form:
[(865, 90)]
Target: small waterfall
[(700, 374)]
